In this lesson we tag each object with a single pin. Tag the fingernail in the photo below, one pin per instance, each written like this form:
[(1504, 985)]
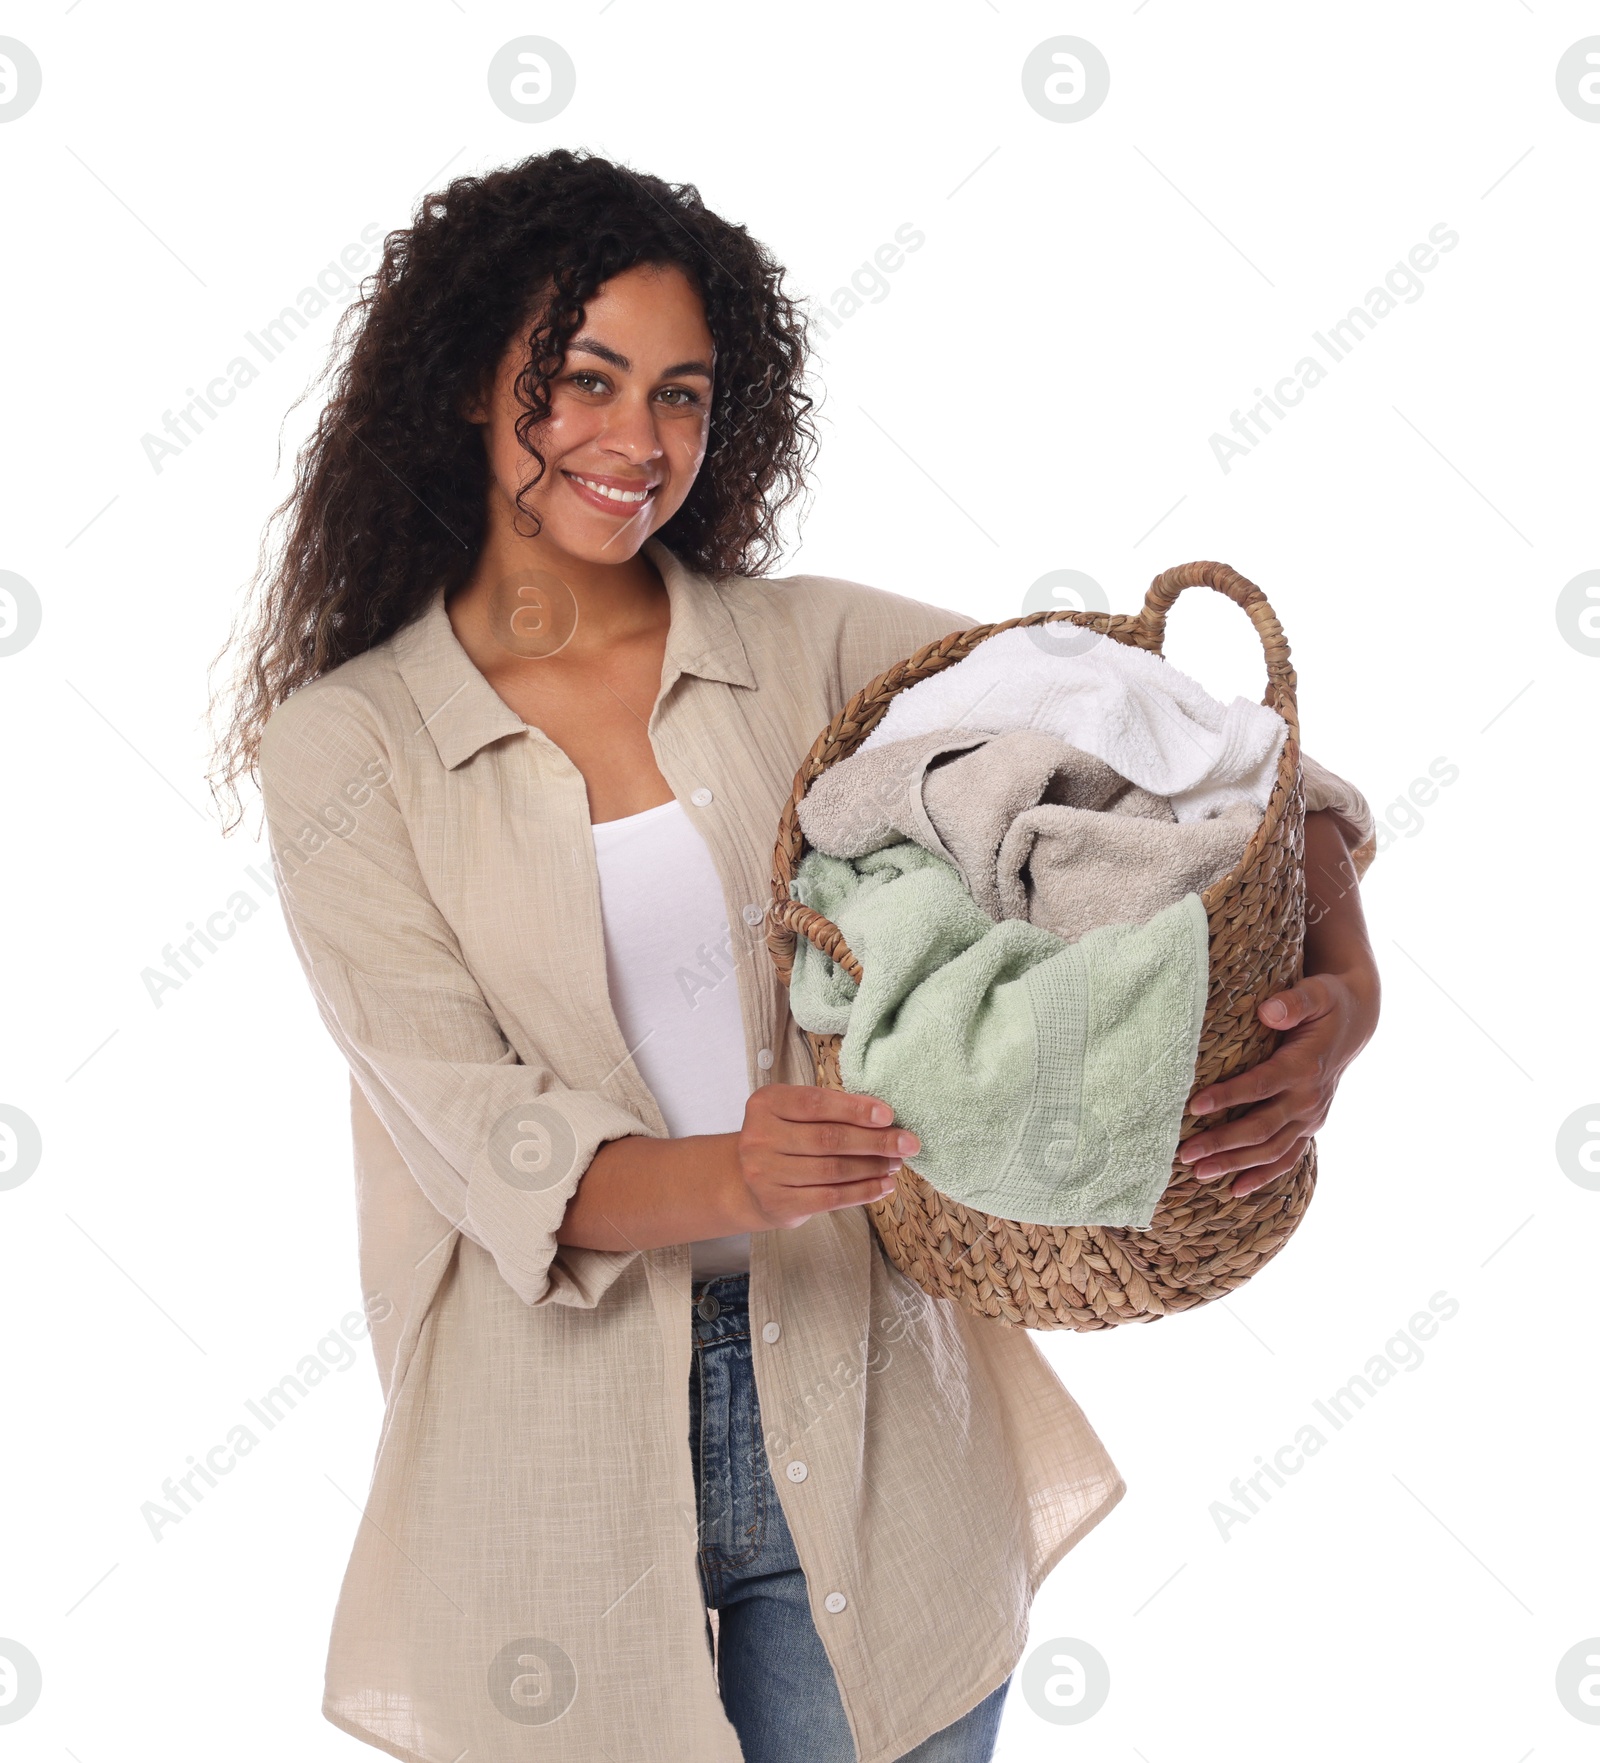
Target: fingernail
[(909, 1143), (882, 1114), (893, 1169), (1275, 1010)]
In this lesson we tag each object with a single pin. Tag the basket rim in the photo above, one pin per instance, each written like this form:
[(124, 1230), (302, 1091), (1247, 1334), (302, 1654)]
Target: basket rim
[(1138, 630)]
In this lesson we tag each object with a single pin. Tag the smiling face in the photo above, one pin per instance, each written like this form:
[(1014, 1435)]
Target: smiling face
[(630, 412)]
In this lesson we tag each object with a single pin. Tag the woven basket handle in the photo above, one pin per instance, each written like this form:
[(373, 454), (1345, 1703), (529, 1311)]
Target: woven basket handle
[(1164, 590)]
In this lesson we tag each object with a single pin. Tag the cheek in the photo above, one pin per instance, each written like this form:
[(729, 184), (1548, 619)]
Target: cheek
[(688, 445), (506, 459), (513, 465)]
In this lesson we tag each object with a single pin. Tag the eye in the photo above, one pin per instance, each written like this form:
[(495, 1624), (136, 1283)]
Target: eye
[(583, 374), (683, 392)]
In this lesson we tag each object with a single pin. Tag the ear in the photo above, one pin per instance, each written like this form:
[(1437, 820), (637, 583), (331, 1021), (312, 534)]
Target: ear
[(476, 402)]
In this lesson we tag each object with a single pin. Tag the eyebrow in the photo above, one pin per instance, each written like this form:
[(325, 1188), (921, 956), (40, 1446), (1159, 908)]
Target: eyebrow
[(593, 346)]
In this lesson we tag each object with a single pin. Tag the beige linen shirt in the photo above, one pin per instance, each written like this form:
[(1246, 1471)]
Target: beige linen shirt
[(524, 1582)]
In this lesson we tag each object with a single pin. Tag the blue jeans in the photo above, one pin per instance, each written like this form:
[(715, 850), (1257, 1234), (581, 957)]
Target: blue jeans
[(776, 1683)]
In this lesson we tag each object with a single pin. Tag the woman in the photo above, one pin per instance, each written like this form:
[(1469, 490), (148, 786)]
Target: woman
[(525, 716)]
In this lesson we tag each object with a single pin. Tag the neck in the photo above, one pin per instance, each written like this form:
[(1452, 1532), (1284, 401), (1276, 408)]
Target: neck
[(612, 601)]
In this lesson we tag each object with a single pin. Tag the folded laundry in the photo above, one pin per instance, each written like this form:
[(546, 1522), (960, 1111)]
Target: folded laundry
[(1150, 723), (1036, 829), (1046, 1079)]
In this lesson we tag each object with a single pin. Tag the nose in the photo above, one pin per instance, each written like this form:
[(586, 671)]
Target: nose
[(630, 431)]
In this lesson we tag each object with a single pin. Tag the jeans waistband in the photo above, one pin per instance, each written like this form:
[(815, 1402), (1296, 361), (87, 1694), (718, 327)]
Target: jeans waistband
[(720, 1308)]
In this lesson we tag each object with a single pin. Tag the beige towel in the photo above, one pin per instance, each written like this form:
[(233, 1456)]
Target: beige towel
[(1037, 829)]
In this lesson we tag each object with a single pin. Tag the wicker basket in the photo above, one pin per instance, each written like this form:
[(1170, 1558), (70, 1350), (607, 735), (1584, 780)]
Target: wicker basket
[(1202, 1242)]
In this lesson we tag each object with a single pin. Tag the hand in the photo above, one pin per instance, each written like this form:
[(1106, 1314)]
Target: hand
[(804, 1149), (1329, 1018)]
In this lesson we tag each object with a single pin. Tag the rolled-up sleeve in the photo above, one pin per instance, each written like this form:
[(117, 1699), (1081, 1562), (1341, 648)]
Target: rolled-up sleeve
[(498, 1145)]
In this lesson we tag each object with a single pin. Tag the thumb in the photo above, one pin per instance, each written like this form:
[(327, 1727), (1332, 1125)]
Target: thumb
[(1287, 1008)]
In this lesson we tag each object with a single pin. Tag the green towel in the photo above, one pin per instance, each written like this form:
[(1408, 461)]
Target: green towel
[(1046, 1079)]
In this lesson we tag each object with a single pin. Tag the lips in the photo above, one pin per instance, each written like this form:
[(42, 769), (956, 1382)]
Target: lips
[(615, 495)]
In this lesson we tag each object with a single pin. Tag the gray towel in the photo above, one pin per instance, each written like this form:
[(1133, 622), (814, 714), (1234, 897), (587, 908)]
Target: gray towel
[(1036, 829)]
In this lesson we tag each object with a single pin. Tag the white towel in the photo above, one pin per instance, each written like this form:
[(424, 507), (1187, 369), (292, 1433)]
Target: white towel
[(1150, 723)]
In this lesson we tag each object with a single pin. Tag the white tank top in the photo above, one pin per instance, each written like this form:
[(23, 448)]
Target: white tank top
[(670, 967)]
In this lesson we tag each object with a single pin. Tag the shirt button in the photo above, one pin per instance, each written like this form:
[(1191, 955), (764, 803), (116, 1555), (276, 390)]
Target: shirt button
[(796, 1471), (835, 1601), (701, 797), (764, 1058), (771, 1332), (752, 915)]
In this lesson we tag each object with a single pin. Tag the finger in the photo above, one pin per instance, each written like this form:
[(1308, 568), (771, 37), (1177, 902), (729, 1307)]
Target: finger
[(832, 1199), (1251, 1156), (1249, 1129), (835, 1138), (816, 1175), (1258, 1178), (1270, 1078), (808, 1102), (1298, 1004)]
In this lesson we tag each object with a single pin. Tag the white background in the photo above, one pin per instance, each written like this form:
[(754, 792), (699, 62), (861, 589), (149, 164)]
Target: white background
[(1035, 390)]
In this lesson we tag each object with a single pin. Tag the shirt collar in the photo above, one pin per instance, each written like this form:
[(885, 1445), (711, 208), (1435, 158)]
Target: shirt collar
[(464, 713)]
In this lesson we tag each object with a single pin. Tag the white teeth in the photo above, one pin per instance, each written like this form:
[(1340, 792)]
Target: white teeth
[(611, 494)]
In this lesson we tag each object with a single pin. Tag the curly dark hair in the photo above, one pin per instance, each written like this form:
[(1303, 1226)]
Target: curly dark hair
[(390, 491)]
